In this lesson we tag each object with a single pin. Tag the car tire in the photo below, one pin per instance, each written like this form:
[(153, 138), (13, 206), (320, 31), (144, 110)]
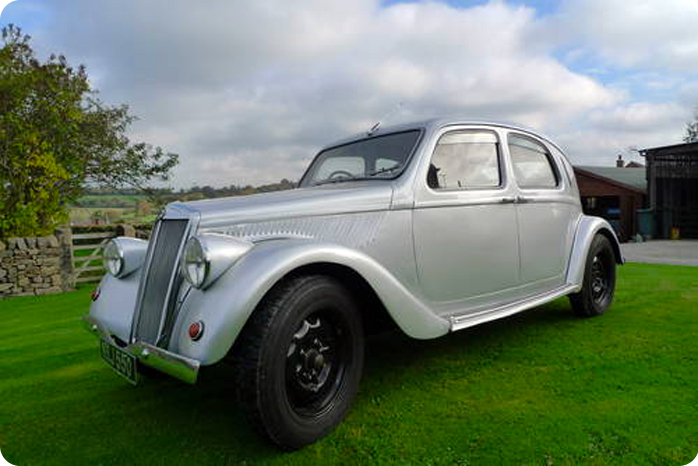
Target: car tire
[(599, 284), (299, 360)]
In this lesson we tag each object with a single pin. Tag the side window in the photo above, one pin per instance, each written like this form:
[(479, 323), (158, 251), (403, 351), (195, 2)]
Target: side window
[(532, 163), (466, 159)]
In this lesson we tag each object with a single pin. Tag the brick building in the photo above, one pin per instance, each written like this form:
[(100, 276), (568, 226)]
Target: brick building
[(614, 193)]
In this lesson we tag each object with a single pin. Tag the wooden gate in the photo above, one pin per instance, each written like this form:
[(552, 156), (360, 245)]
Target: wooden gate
[(87, 253)]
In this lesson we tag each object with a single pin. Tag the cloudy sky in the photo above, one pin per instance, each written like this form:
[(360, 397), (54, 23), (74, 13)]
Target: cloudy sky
[(247, 91)]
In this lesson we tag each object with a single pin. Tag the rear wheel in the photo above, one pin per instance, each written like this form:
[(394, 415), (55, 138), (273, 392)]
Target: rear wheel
[(299, 360), (599, 284)]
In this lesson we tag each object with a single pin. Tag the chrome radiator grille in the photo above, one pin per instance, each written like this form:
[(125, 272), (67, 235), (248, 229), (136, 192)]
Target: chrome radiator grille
[(161, 280)]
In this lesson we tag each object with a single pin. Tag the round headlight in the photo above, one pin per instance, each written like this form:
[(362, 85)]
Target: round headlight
[(206, 257), (195, 265), (113, 258), (123, 255)]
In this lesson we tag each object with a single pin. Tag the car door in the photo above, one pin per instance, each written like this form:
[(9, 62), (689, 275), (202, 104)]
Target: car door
[(464, 221), (546, 213)]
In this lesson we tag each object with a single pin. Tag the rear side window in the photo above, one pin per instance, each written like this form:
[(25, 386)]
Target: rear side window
[(465, 160), (532, 163)]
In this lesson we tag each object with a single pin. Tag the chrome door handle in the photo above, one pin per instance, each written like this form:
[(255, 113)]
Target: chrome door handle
[(507, 200)]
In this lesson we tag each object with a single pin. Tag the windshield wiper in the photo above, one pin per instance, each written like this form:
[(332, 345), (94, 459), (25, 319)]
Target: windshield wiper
[(339, 180), (384, 170)]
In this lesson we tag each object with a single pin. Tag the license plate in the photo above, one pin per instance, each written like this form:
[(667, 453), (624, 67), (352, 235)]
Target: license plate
[(122, 362)]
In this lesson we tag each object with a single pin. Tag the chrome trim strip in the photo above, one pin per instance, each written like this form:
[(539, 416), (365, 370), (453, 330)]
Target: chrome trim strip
[(546, 200), (179, 367), (496, 199), (445, 203), (459, 322)]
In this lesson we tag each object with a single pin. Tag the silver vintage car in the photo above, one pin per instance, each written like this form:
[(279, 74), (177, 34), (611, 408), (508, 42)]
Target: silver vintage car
[(433, 227)]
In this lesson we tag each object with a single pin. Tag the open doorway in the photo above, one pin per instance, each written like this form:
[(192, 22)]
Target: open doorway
[(607, 207)]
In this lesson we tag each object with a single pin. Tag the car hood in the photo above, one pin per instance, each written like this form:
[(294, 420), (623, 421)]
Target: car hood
[(332, 199)]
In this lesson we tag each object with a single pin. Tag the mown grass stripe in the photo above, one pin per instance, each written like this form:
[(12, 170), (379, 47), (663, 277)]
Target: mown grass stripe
[(541, 387)]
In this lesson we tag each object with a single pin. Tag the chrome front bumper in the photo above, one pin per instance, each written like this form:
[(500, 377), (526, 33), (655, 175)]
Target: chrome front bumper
[(180, 367)]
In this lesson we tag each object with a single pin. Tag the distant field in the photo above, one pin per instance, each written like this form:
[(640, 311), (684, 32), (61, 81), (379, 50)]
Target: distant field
[(539, 388), (110, 208), (111, 200), (85, 215)]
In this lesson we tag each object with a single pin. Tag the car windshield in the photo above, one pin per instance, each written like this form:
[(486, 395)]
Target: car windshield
[(380, 157)]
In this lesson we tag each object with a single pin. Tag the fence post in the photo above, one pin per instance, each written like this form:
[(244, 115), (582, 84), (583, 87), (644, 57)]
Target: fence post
[(126, 230), (65, 242)]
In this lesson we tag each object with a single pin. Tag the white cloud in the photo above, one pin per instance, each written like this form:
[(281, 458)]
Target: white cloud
[(650, 33), (246, 92), (637, 117), (602, 134)]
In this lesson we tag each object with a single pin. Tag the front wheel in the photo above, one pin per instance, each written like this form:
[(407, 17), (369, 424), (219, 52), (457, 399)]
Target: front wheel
[(299, 360), (599, 285)]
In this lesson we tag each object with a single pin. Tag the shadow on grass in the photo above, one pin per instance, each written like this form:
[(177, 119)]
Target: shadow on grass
[(474, 339), (207, 414)]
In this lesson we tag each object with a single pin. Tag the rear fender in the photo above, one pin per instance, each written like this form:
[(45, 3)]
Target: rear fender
[(226, 305), (587, 229)]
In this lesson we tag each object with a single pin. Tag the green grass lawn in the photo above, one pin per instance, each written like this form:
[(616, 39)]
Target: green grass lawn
[(542, 388)]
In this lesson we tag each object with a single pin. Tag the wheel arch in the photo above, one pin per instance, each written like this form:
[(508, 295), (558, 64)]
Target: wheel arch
[(374, 314), (587, 229), (226, 306)]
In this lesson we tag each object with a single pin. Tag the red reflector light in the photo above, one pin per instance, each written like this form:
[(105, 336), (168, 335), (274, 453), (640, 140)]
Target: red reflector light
[(196, 330), (95, 294)]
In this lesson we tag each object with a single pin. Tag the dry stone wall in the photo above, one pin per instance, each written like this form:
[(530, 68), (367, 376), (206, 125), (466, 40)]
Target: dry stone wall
[(36, 266)]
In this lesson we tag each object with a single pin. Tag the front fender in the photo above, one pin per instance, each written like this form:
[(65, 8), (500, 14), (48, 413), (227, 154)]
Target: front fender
[(226, 305), (587, 229), (116, 304)]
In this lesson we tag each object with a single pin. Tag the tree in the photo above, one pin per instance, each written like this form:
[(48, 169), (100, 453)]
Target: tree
[(692, 128), (57, 138)]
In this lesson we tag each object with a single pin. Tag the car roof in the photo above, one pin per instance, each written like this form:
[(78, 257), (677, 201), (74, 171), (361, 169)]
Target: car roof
[(436, 124)]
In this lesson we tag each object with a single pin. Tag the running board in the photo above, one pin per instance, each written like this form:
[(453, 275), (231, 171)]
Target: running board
[(469, 320)]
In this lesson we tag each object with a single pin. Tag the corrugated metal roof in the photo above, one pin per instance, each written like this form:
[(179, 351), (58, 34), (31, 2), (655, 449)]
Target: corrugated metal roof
[(686, 145), (634, 177)]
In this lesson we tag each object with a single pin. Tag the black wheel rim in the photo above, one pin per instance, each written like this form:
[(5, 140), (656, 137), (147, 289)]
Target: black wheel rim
[(600, 280), (316, 362)]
